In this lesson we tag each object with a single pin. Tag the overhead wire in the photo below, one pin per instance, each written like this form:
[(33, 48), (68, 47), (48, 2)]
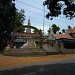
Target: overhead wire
[(29, 5), (36, 8), (40, 15), (31, 11), (33, 6)]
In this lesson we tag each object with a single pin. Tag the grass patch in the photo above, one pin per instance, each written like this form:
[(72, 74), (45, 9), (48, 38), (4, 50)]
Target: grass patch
[(38, 46)]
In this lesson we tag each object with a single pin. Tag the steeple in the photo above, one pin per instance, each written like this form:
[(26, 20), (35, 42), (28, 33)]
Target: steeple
[(29, 24)]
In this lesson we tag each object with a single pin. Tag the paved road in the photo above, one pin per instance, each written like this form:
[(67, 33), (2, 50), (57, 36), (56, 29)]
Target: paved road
[(65, 66)]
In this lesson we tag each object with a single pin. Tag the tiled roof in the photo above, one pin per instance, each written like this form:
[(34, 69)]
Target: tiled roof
[(67, 35), (72, 30), (59, 36)]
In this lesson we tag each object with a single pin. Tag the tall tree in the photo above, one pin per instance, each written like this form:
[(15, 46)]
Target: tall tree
[(63, 30), (55, 6), (49, 30), (8, 20), (19, 19), (60, 33), (69, 27), (55, 28), (34, 31)]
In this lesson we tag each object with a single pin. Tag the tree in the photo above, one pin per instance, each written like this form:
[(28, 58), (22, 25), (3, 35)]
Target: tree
[(40, 31), (49, 30), (63, 30), (60, 33), (55, 6), (19, 19), (69, 27), (35, 31), (8, 20), (55, 28)]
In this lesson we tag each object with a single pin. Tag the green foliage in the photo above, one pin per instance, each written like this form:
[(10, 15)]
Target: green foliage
[(26, 26), (35, 31), (20, 17), (63, 30), (49, 30), (37, 44), (69, 27), (55, 28), (55, 6), (60, 33), (9, 19)]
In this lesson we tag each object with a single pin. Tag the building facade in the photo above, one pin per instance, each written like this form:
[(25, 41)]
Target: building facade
[(20, 38), (64, 43)]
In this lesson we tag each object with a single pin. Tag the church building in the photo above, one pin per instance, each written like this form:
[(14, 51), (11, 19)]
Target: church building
[(20, 38)]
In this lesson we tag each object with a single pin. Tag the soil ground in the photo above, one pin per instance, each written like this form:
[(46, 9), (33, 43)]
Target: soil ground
[(7, 61)]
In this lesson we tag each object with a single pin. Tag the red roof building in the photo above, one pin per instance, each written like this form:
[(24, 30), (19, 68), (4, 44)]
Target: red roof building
[(70, 34), (64, 43)]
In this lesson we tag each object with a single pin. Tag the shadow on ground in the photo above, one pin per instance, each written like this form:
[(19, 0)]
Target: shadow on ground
[(49, 69), (1, 52)]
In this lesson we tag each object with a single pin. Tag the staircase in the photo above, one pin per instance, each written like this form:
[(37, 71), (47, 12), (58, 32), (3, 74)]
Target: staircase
[(28, 49), (29, 45)]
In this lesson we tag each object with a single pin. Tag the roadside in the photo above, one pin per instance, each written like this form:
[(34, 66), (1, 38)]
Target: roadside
[(10, 61)]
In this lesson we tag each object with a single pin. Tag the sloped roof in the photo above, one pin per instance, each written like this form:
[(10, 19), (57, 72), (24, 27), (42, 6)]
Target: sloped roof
[(72, 30), (67, 35), (59, 36), (64, 36)]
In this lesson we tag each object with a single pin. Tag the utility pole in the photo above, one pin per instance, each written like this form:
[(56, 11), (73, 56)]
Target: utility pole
[(43, 19)]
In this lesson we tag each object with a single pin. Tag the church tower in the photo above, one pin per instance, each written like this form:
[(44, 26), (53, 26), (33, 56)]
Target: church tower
[(29, 24)]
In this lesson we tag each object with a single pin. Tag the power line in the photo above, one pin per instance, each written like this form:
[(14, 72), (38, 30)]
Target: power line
[(32, 12), (35, 7), (40, 15), (38, 20), (35, 19), (29, 5), (35, 13)]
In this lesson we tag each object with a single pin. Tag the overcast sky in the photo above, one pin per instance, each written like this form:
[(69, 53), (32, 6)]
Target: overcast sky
[(35, 10)]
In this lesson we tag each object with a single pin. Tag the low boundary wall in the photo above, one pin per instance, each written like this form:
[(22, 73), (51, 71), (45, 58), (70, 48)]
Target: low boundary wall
[(25, 52)]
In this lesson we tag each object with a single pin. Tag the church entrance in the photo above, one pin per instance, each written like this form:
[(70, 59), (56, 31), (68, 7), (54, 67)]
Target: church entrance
[(23, 39)]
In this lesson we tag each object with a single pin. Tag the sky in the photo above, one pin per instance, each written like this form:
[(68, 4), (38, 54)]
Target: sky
[(34, 10)]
